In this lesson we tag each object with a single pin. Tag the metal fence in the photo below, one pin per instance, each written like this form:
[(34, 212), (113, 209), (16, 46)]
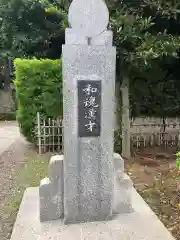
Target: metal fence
[(143, 135)]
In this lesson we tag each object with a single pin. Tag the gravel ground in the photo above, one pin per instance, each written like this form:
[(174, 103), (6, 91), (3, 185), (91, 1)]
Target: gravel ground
[(9, 133), (10, 159)]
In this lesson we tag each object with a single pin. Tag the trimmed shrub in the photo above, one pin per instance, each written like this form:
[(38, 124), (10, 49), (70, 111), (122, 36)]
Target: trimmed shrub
[(38, 89)]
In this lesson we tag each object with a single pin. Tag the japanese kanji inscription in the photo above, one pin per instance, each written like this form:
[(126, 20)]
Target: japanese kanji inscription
[(89, 108)]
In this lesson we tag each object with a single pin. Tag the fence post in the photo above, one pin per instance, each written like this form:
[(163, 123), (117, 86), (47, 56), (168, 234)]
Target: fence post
[(39, 132)]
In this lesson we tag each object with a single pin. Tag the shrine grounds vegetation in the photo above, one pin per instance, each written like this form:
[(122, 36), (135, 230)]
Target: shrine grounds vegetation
[(39, 89), (146, 35)]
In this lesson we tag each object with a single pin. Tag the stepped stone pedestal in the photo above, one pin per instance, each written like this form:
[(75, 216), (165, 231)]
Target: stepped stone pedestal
[(140, 224), (51, 190)]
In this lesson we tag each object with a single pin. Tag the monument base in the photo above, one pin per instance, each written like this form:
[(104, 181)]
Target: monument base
[(139, 224)]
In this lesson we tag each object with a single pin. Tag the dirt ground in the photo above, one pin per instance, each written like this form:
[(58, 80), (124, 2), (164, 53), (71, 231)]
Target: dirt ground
[(156, 178)]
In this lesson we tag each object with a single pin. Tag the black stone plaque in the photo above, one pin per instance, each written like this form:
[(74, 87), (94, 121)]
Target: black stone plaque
[(89, 108)]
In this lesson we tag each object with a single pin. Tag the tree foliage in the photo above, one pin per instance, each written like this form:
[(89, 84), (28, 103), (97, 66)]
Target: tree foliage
[(147, 37), (30, 28), (141, 33), (146, 34), (142, 29)]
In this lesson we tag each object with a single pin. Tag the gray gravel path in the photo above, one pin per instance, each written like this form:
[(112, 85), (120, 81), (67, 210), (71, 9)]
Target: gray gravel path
[(9, 133), (13, 148)]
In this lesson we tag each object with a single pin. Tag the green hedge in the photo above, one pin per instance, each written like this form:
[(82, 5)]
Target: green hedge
[(38, 89)]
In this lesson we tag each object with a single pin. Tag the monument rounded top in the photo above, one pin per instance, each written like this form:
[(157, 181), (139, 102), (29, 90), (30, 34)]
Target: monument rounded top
[(88, 17)]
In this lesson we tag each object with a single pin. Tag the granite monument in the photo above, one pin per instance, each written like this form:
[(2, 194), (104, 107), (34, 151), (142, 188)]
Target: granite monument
[(87, 191), (84, 184)]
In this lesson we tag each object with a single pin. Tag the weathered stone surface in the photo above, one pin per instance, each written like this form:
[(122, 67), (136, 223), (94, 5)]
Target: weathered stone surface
[(105, 39), (55, 170), (93, 175), (52, 195), (122, 199), (88, 165), (140, 224), (51, 191), (71, 37), (118, 163), (88, 17)]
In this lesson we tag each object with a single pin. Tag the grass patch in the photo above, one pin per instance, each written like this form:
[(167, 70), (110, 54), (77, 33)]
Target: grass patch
[(28, 174), (32, 172)]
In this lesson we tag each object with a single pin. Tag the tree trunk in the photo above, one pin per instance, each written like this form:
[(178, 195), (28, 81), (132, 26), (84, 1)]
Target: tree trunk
[(126, 131), (117, 107)]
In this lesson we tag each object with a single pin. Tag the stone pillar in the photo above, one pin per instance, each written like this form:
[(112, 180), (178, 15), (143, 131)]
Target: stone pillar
[(88, 59)]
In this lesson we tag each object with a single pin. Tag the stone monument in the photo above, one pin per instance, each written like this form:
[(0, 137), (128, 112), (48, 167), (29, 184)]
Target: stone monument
[(89, 189), (86, 191)]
